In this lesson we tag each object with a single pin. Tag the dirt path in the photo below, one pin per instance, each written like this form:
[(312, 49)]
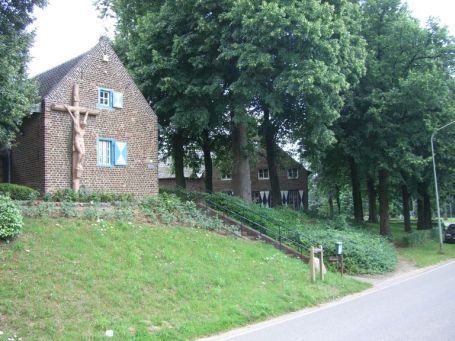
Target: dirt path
[(404, 267)]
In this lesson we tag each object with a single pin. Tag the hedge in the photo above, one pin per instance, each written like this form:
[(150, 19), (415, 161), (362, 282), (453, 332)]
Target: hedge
[(18, 192)]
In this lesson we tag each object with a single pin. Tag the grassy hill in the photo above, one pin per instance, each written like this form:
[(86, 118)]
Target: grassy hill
[(364, 251), (73, 279)]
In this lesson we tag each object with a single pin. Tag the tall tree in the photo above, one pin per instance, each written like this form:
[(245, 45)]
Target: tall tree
[(269, 57), (372, 200), (171, 48), (389, 136), (17, 93), (293, 58)]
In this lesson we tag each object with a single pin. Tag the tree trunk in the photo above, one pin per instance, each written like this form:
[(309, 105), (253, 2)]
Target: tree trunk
[(356, 193), (208, 164), (372, 200), (384, 227), (178, 154), (423, 207), (420, 219), (270, 147), (330, 205), (337, 198), (427, 211), (241, 179), (406, 211)]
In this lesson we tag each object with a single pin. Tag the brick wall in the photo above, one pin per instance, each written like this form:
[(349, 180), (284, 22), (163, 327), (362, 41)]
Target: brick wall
[(27, 155), (135, 124)]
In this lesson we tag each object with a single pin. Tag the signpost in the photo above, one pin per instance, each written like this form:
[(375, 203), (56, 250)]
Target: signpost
[(436, 184)]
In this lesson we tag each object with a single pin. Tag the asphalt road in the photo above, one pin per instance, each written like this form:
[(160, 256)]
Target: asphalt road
[(417, 308)]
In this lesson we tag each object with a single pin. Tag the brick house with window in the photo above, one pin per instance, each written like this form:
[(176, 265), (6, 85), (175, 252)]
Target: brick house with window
[(121, 130), (293, 178)]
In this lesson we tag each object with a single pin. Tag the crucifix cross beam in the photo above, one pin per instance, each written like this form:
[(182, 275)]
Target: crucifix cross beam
[(75, 107), (79, 125), (72, 108)]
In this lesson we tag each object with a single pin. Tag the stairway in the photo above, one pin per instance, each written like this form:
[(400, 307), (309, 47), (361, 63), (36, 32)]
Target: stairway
[(249, 233)]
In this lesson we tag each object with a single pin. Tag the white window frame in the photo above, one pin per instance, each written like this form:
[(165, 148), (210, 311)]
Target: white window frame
[(105, 157), (105, 98), (226, 176), (291, 176), (262, 175)]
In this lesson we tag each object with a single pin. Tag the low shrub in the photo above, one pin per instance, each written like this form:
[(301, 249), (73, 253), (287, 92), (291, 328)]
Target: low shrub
[(364, 251), (18, 192), (39, 210), (69, 209), (10, 218), (68, 195), (169, 208)]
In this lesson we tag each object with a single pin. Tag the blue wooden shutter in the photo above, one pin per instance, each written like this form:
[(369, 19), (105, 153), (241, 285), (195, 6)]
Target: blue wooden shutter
[(121, 153), (117, 99)]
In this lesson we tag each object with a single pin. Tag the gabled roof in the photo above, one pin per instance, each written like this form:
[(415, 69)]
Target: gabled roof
[(49, 79), (166, 171)]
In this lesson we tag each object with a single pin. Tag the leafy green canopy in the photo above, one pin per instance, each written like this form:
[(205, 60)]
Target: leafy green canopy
[(195, 60), (16, 92), (405, 94)]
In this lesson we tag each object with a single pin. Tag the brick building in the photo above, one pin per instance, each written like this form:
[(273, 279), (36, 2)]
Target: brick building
[(121, 140), (194, 181), (293, 178)]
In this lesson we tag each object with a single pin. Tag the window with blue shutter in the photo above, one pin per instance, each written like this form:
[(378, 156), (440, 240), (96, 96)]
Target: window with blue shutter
[(109, 99), (105, 152), (117, 99), (111, 153), (104, 98), (121, 153)]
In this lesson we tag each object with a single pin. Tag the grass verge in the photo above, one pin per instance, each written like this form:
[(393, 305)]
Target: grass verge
[(74, 279), (422, 255)]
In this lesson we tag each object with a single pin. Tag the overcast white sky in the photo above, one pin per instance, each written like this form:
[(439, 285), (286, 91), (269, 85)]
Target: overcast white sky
[(68, 28)]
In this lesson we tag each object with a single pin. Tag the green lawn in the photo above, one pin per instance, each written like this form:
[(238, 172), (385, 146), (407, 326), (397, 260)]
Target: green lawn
[(428, 253), (74, 279), (423, 255)]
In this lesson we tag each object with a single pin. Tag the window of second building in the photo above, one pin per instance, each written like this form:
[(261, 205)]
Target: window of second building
[(225, 176), (293, 173), (263, 173)]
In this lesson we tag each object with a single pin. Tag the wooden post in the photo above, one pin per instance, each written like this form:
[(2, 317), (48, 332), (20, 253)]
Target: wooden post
[(321, 263), (342, 265), (311, 264)]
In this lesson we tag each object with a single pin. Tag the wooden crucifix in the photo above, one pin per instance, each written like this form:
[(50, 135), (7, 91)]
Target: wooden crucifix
[(79, 124)]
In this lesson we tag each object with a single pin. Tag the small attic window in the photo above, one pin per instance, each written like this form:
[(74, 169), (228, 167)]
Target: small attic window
[(105, 58), (104, 98), (109, 99)]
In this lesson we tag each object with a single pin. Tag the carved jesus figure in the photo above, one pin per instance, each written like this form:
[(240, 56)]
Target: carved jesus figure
[(78, 138), (79, 125)]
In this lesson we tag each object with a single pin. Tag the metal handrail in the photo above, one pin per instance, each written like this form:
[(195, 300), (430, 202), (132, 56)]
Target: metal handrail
[(260, 228)]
